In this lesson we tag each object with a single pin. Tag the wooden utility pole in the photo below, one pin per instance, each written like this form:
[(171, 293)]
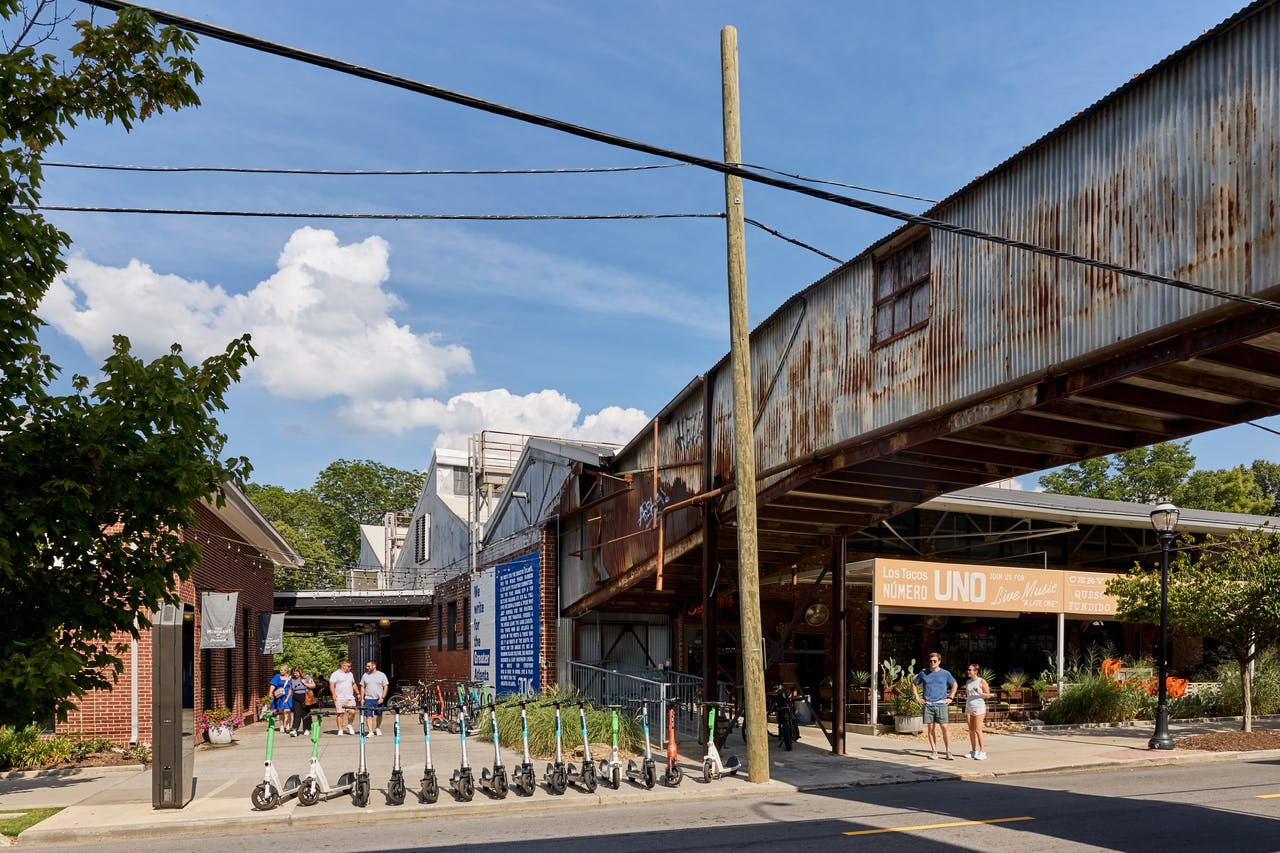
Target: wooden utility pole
[(744, 451)]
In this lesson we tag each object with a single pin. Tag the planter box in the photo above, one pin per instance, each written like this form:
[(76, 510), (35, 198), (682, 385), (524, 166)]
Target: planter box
[(908, 724)]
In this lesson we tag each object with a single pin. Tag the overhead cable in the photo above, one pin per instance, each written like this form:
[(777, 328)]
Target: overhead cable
[(480, 217), (265, 170), (1263, 428), (837, 183), (364, 72), (460, 217)]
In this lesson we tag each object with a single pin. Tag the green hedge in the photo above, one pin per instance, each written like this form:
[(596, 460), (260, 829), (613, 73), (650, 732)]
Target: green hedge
[(542, 731)]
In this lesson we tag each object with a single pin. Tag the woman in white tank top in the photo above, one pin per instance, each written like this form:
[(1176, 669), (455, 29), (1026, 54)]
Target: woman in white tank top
[(976, 692)]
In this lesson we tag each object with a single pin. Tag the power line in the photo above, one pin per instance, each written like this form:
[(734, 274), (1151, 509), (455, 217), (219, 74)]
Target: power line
[(839, 183), (1263, 428), (366, 73), (582, 170), (480, 217), (457, 217)]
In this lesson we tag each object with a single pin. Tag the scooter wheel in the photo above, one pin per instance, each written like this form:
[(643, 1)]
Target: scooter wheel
[(647, 775), (360, 793), (673, 776), (527, 783), (589, 778), (557, 782), (395, 792), (430, 789), (264, 797), (500, 786), (466, 789), (454, 728), (309, 793), (707, 773)]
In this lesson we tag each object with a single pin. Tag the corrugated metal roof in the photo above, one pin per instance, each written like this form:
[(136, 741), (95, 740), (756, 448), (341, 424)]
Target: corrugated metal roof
[(1053, 507)]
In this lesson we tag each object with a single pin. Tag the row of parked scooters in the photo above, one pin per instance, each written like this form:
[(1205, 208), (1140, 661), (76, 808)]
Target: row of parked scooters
[(558, 776)]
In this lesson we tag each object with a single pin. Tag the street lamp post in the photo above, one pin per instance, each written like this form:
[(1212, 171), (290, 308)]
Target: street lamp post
[(1164, 518)]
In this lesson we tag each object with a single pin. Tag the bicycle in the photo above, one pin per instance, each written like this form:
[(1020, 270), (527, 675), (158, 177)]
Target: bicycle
[(411, 694)]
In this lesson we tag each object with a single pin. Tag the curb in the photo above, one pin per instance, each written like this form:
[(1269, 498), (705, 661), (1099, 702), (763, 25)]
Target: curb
[(60, 772), (303, 819)]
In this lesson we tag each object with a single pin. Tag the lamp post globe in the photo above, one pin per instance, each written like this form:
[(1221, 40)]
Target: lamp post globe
[(1164, 518)]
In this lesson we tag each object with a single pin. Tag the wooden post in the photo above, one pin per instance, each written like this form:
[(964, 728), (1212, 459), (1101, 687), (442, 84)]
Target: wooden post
[(752, 641), (839, 647)]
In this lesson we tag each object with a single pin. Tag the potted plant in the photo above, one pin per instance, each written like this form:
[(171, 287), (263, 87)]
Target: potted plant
[(859, 679), (908, 715), (1046, 685), (891, 673), (218, 724), (1014, 680)]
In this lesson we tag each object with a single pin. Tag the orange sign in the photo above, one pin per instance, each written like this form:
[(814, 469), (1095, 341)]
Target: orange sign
[(952, 586)]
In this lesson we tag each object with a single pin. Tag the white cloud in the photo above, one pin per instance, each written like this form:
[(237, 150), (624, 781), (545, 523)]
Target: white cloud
[(323, 324), (324, 327), (544, 412)]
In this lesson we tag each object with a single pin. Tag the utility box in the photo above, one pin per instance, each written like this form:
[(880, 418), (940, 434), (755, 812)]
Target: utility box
[(173, 703)]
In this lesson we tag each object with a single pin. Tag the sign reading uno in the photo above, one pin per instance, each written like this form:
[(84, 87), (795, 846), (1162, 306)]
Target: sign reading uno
[(945, 586)]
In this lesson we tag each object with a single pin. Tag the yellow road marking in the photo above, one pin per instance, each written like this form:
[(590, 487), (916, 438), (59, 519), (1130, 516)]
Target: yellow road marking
[(1267, 796), (943, 825)]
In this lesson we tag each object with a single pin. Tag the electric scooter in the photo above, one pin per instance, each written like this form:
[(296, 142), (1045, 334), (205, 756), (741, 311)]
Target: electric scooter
[(429, 788), (462, 782), (644, 773), (495, 783), (585, 777), (674, 772), (524, 777), (557, 776), (360, 785), (611, 768), (395, 786), (712, 765), (270, 793), (315, 786)]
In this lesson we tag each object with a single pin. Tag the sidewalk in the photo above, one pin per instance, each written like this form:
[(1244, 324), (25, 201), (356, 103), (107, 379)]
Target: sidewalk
[(116, 802)]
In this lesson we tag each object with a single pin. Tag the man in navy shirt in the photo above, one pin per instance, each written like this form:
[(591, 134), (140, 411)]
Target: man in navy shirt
[(939, 689)]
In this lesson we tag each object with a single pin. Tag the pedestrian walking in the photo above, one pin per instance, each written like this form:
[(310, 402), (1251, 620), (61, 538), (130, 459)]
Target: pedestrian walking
[(374, 687), (342, 685), (281, 698), (300, 684)]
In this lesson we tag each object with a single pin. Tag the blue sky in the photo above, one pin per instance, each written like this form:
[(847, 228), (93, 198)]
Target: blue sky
[(380, 339)]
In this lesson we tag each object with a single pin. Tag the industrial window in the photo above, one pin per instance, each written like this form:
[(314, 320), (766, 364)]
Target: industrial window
[(420, 539), (902, 291), (461, 481), (452, 610)]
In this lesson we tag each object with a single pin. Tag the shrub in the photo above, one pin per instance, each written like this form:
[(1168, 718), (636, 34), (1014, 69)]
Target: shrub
[(542, 725), (1265, 690), (1095, 698), (23, 748)]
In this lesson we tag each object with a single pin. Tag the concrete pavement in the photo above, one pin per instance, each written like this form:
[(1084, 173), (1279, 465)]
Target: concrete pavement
[(116, 802)]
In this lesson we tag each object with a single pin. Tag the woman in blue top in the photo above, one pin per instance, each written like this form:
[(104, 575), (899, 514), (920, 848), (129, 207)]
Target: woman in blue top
[(281, 698)]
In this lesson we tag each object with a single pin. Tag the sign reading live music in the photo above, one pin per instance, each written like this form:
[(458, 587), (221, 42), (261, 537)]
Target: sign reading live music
[(953, 586)]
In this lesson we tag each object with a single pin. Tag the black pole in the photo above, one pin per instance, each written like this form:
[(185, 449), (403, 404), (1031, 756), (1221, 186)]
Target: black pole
[(1162, 739)]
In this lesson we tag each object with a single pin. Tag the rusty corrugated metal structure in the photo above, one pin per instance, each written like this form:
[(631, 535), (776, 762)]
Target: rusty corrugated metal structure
[(1023, 362)]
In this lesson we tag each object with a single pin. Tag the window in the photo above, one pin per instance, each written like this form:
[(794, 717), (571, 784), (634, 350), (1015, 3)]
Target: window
[(461, 481), (452, 610), (420, 538), (902, 291)]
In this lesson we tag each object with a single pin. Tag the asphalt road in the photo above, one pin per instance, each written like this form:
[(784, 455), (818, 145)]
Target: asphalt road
[(1231, 806)]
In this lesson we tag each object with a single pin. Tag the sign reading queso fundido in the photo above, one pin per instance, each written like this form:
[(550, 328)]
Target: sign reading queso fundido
[(955, 586)]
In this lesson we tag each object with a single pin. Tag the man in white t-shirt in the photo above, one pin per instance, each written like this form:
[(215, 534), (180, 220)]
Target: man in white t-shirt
[(374, 687), (342, 685)]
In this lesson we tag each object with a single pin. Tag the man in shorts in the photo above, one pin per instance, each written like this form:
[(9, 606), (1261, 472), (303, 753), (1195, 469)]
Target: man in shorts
[(939, 689), (374, 687), (342, 685)]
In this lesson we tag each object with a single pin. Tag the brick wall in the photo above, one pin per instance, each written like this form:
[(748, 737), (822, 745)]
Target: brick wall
[(455, 664), (550, 653), (226, 564)]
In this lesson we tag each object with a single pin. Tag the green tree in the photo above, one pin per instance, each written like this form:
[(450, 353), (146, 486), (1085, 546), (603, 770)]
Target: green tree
[(314, 654), (1223, 490), (360, 492), (96, 485), (1141, 475), (1267, 476), (1228, 591), (323, 523)]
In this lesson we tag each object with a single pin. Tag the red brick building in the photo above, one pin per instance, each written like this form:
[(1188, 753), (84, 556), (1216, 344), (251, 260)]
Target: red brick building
[(239, 552)]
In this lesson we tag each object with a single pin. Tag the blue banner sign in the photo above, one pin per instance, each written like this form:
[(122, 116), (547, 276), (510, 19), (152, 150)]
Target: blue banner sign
[(518, 594)]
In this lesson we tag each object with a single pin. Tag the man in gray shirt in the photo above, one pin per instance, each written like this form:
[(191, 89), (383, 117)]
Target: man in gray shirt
[(374, 685)]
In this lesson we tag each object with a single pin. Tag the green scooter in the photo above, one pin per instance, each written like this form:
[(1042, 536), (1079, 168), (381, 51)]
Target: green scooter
[(315, 785), (611, 768), (269, 793)]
